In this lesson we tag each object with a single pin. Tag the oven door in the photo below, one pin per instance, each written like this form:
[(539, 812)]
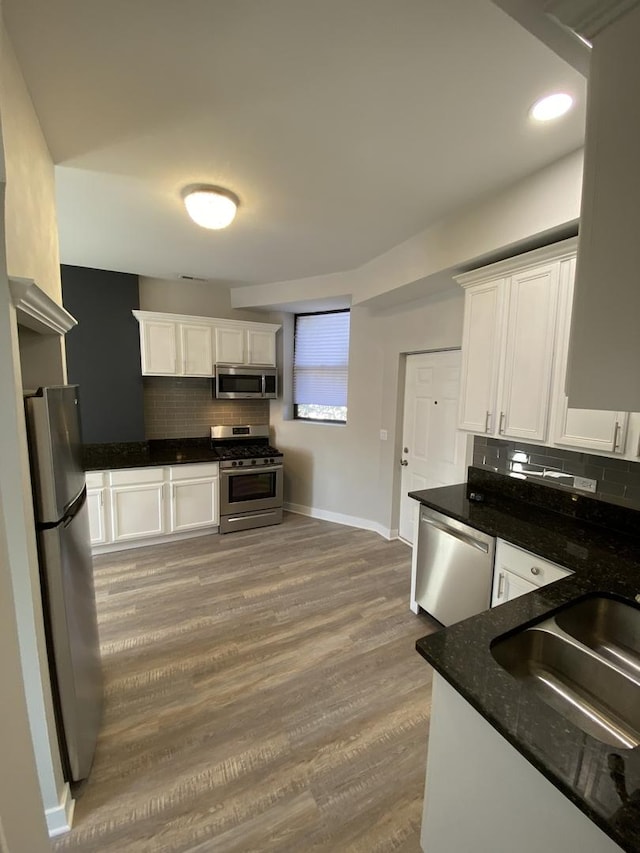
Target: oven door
[(249, 489)]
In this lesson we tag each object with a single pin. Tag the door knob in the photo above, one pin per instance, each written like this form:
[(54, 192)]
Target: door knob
[(405, 449), (403, 462)]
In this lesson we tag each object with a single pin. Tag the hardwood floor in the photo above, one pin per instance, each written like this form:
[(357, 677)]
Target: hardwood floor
[(263, 693)]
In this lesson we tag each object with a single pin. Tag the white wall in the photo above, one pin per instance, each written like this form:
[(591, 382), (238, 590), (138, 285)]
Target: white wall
[(348, 470), (542, 204), (29, 235), (200, 298)]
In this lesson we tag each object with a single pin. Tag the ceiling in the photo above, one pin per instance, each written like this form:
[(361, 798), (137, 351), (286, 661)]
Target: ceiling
[(344, 126)]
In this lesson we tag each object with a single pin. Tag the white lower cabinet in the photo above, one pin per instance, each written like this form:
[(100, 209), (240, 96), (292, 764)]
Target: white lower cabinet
[(482, 795), (194, 497), (137, 511), (97, 516), (517, 572), (134, 505)]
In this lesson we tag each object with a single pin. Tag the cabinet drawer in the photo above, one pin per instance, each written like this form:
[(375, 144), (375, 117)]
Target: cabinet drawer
[(95, 479), (193, 472), (527, 566), (131, 476)]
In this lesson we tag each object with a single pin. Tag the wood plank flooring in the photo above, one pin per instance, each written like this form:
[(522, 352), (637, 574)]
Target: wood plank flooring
[(263, 694)]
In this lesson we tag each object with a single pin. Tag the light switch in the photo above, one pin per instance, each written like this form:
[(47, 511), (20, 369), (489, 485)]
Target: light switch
[(383, 435)]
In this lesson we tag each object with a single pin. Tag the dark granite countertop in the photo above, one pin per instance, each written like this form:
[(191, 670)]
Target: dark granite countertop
[(145, 454), (605, 561)]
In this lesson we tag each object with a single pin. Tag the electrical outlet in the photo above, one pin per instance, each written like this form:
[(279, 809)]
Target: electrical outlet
[(383, 435), (585, 484)]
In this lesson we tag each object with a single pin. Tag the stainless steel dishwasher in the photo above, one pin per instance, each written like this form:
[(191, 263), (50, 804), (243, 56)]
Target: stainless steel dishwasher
[(454, 568)]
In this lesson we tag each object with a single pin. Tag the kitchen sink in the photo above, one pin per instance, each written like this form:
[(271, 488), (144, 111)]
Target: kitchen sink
[(584, 663), (610, 628)]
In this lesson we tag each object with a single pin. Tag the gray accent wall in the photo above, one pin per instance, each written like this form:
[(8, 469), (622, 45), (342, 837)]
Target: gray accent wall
[(103, 353)]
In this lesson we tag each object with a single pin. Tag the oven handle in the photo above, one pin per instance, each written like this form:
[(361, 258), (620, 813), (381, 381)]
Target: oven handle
[(232, 518), (266, 469)]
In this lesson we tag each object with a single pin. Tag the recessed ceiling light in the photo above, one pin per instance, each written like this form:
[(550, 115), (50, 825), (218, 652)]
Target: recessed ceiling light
[(210, 207), (552, 106)]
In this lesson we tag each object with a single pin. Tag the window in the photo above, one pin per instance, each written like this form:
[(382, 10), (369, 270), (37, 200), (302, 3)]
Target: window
[(321, 366)]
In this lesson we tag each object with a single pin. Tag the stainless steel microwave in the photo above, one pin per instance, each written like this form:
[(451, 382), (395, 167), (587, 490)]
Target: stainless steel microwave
[(245, 382)]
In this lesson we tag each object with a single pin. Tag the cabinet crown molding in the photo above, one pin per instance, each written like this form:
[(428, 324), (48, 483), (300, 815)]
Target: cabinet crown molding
[(204, 321), (563, 250), (37, 311)]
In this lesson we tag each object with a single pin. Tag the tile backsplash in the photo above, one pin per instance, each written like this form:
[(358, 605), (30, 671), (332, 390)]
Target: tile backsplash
[(177, 407), (617, 480)]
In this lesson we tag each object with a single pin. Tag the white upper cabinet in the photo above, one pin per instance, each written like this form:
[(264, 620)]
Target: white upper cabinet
[(196, 349), (230, 345), (508, 344), (245, 346), (261, 347), (483, 308), (514, 355), (530, 333), (604, 353), (181, 345), (593, 430), (158, 348)]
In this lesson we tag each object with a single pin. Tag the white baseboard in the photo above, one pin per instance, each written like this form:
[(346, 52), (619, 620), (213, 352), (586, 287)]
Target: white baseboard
[(60, 818), (108, 547), (342, 518)]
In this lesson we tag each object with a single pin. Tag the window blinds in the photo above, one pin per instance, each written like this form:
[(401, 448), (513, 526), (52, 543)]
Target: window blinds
[(321, 359)]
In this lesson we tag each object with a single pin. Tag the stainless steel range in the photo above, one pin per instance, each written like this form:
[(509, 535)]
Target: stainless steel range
[(250, 477)]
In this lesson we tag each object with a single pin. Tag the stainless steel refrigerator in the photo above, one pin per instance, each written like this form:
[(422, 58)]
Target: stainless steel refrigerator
[(66, 571)]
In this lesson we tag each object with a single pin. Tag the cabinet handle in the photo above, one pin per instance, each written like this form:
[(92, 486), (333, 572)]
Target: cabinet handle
[(615, 436), (101, 498), (535, 570), (500, 425), (487, 421), (500, 585)]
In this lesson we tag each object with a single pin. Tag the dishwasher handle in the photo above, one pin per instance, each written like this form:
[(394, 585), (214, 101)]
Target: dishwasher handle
[(457, 534)]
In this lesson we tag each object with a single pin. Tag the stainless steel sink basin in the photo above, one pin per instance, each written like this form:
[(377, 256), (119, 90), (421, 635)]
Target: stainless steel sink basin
[(611, 628), (584, 662)]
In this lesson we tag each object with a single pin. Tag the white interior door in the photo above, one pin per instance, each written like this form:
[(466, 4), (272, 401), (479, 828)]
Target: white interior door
[(433, 448)]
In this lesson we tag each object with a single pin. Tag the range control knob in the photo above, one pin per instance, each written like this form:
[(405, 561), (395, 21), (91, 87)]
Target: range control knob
[(241, 462), (271, 461), (233, 464), (254, 461)]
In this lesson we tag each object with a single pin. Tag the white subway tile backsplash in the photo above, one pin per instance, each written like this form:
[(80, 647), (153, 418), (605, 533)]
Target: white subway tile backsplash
[(176, 407)]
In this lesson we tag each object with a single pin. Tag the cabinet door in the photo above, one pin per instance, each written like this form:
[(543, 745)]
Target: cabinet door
[(97, 516), (136, 511), (159, 351), (528, 360), (230, 345), (194, 503), (594, 430), (507, 586), (197, 350), (261, 347), (483, 318)]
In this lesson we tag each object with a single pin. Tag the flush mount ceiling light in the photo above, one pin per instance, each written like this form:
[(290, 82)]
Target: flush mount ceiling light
[(210, 207), (552, 106)]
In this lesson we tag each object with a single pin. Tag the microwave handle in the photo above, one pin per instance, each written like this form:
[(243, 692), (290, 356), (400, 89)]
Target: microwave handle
[(264, 385)]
